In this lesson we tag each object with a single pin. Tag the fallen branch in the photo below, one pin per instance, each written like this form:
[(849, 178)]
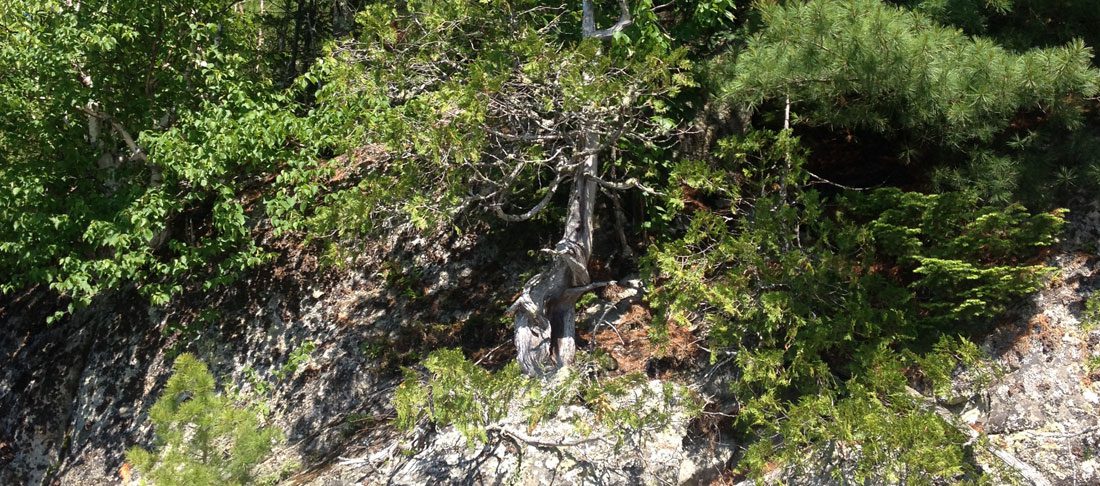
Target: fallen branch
[(1063, 435), (490, 353), (539, 442)]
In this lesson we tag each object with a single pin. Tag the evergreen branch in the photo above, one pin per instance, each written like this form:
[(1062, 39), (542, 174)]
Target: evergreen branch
[(1024, 469)]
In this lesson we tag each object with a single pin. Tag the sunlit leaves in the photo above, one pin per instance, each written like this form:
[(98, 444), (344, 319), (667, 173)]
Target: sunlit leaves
[(85, 80)]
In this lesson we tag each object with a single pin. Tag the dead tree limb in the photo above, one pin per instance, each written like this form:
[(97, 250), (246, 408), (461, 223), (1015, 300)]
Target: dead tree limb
[(588, 23)]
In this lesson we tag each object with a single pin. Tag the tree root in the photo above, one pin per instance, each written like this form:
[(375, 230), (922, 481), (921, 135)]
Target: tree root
[(539, 442)]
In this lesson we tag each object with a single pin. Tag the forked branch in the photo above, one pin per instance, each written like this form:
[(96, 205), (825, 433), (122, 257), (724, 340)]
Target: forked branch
[(136, 153), (534, 211), (588, 23)]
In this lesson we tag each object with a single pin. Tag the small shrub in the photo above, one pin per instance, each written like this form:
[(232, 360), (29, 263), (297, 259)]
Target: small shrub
[(298, 357), (798, 284), (1090, 319), (460, 393), (1093, 364), (202, 437)]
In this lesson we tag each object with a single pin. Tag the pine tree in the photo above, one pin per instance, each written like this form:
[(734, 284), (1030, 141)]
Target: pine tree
[(202, 437), (862, 64)]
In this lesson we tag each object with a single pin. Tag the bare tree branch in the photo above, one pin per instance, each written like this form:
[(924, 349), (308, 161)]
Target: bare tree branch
[(578, 291), (534, 211), (526, 138), (588, 23), (632, 183), (822, 180)]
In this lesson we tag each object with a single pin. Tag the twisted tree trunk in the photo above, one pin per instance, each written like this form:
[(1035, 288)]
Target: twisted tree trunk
[(546, 310)]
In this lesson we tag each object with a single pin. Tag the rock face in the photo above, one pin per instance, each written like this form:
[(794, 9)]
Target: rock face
[(572, 447), (1043, 404), (558, 451), (1046, 407), (53, 407), (320, 347)]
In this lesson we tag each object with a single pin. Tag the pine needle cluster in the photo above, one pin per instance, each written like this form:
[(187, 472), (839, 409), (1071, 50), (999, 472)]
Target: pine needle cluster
[(865, 64), (202, 437)]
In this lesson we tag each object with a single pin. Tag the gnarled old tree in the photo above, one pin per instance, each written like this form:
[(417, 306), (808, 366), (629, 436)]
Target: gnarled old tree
[(513, 105), (546, 310)]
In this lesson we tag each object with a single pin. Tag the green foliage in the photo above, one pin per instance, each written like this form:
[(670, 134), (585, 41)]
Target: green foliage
[(966, 259), (105, 185), (423, 79), (891, 439), (147, 145), (981, 117), (296, 359), (628, 405), (255, 381), (1092, 365), (203, 437), (460, 393), (951, 354), (897, 280), (1090, 318), (863, 64)]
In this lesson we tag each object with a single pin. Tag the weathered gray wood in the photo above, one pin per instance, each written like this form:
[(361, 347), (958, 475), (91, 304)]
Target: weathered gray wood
[(545, 312), (588, 21)]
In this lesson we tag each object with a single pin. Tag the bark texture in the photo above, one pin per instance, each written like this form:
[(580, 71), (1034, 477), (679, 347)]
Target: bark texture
[(546, 310)]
